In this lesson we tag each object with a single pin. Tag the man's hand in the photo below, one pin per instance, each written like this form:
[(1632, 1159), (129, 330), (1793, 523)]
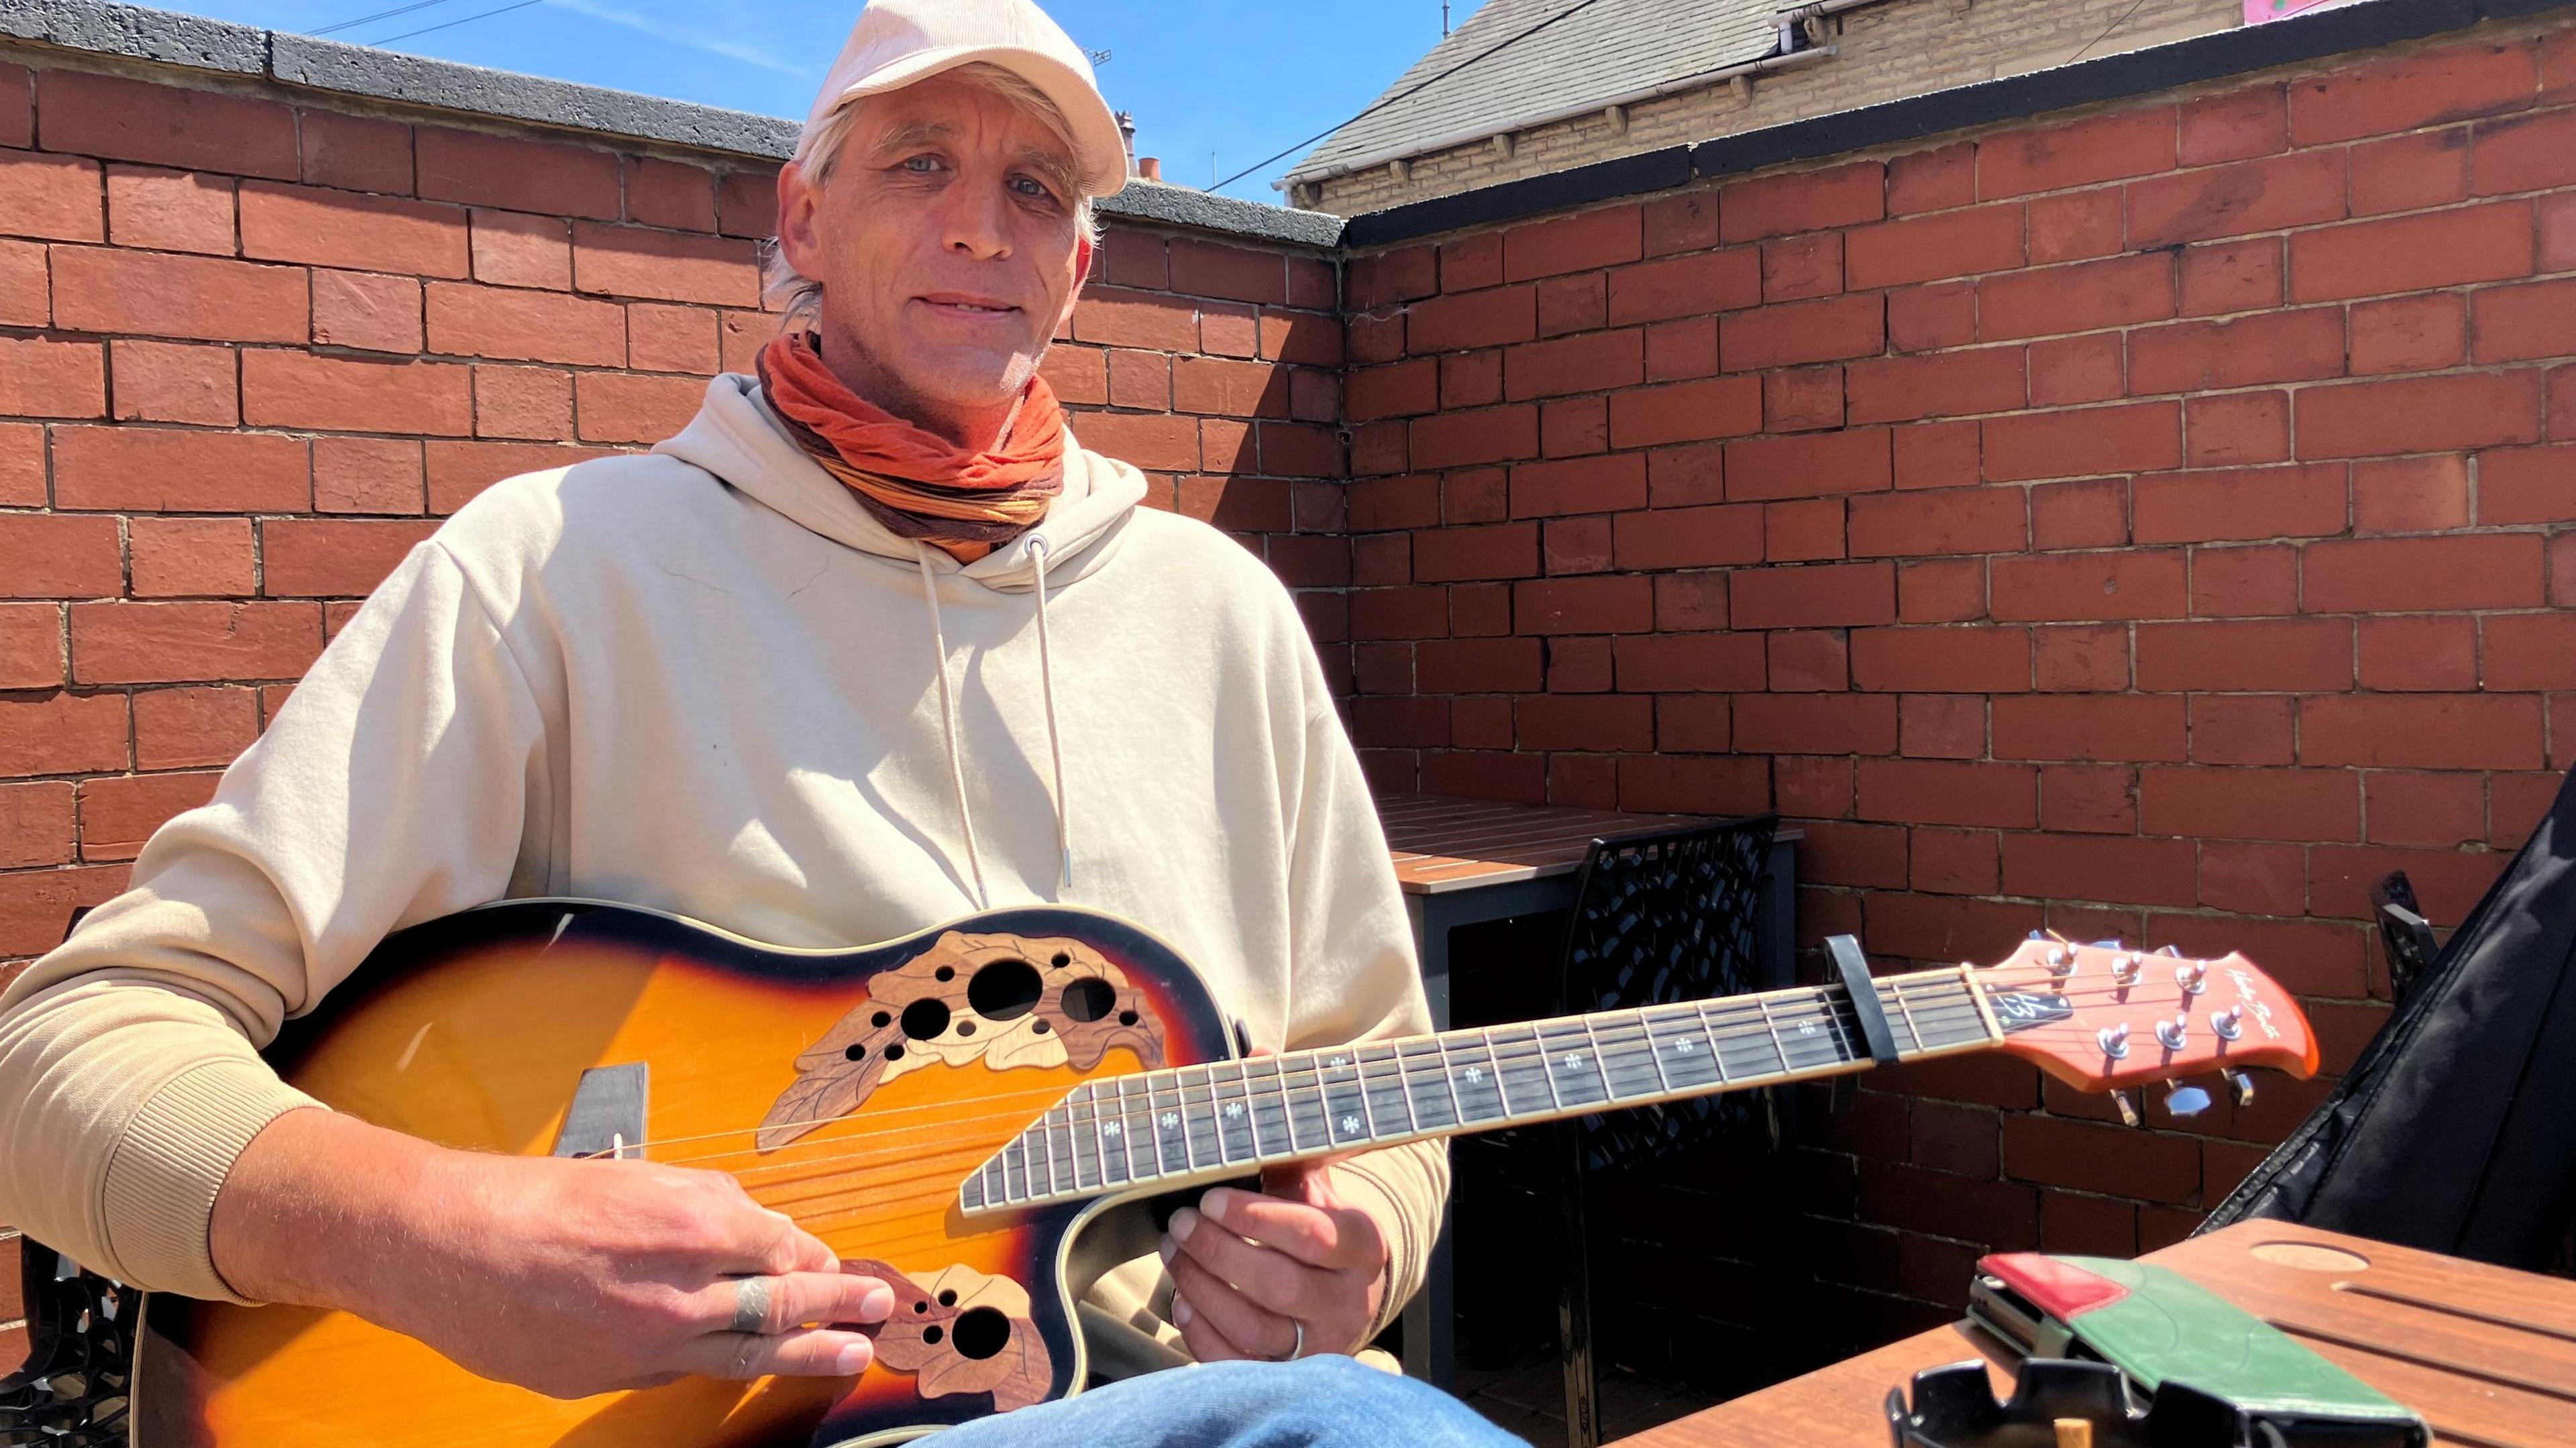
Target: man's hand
[(568, 1277), (1247, 1270)]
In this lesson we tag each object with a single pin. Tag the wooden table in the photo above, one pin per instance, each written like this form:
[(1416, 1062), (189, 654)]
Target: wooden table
[(1471, 861), (2486, 1355)]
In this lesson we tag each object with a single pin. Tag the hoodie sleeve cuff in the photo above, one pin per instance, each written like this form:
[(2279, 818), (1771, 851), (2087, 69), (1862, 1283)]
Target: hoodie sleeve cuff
[(158, 1198), (1408, 1240)]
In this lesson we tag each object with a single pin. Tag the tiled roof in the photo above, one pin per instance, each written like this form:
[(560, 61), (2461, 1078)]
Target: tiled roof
[(1598, 53)]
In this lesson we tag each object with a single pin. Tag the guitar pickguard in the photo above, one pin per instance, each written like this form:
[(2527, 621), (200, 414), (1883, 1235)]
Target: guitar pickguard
[(1000, 1000)]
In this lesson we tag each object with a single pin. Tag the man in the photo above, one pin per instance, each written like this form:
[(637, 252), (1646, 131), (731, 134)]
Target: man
[(870, 645)]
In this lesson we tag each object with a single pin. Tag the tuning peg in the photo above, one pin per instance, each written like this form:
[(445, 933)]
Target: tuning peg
[(2173, 1033), (2194, 977), (2128, 1108), (2061, 959), (2185, 1100), (2128, 969), (2243, 1086), (2229, 1023), (2115, 1040)]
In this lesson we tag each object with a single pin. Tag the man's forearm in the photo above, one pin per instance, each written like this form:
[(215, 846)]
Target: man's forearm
[(314, 1202)]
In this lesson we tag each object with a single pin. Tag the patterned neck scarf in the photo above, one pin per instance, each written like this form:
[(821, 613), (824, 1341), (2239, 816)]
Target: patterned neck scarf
[(919, 485)]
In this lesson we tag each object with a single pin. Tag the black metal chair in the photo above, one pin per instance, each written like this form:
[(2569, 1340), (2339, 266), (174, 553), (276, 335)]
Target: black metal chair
[(1659, 917)]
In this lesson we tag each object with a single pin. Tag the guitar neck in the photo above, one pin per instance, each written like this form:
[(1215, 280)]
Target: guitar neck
[(1188, 1125)]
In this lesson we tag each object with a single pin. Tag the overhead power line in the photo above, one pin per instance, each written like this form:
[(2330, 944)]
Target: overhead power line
[(1577, 7), (452, 24), (379, 15)]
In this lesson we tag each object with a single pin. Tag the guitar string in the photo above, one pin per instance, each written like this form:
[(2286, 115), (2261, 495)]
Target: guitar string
[(1953, 1013)]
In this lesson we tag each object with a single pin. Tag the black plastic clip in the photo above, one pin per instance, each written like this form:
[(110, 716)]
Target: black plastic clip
[(1864, 998)]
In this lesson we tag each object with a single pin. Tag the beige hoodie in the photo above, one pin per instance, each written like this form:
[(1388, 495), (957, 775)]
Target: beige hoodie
[(707, 681)]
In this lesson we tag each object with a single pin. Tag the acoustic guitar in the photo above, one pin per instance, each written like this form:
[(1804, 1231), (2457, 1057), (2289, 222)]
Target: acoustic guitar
[(957, 1107)]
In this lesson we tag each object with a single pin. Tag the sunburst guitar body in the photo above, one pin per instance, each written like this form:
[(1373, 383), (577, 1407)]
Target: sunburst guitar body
[(956, 1109)]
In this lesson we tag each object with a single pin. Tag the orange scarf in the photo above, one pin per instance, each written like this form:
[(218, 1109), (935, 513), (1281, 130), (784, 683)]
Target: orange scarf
[(919, 485)]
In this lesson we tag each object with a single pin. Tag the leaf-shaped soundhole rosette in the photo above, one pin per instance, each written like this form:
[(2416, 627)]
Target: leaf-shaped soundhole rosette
[(962, 1331), (1003, 1001)]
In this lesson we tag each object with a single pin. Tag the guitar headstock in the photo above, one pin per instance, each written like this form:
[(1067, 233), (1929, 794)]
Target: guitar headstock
[(2100, 1017)]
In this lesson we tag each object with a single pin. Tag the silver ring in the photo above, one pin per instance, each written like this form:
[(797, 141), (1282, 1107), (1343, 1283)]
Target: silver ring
[(750, 1305), (1299, 1350)]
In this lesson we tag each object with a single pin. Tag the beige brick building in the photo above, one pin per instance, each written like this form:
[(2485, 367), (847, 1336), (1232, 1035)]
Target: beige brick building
[(1618, 77)]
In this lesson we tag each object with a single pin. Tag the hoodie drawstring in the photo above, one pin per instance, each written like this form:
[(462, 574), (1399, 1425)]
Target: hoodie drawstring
[(948, 723)]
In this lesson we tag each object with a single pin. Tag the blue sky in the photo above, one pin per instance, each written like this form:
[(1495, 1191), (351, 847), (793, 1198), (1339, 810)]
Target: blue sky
[(1237, 79)]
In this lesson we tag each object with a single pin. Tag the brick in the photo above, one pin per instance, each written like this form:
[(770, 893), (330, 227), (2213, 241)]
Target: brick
[(2141, 728), (2080, 297), (1943, 384), (1941, 660), (2419, 414), (2236, 428), (456, 471), (2147, 1166), (523, 402), (1573, 304), (2423, 574), (367, 312), (2099, 867), (1684, 222), (1688, 537), (1932, 180), (117, 815), (1950, 590), (2450, 84), (2251, 804), (670, 194), (2091, 657), (40, 377), (2071, 228), (1592, 362), (1817, 596), (332, 557), (37, 828), (22, 465), (63, 734), (2234, 126), (2408, 334), (1386, 277), (152, 643), (1484, 319), (2422, 731), (2093, 513), (2068, 370), (2514, 323), (2339, 879), (1685, 286), (2419, 655), (2140, 437), (1604, 722), (367, 475), (2528, 651), (1941, 726), (36, 911), (1473, 261), (193, 557), (1802, 399), (56, 198), (1677, 476), (2244, 582), (1807, 662), (1800, 332), (672, 339), (1816, 723), (2411, 495), (174, 382), (1929, 248), (1937, 455), (2268, 347), (1471, 379), (17, 114), (132, 120), (356, 153), (1857, 460), (26, 290), (1576, 545), (2088, 586), (290, 389), (2298, 189), (1802, 201), (1478, 666), (2527, 485), (2088, 799), (1573, 243), (664, 266), (136, 469), (1846, 854), (1212, 269), (1683, 412), (1453, 554), (1482, 435), (1802, 531), (2232, 276), (170, 210), (515, 250), (1920, 927), (1605, 484), (1920, 319), (2525, 154), (347, 229), (1982, 520), (1946, 792), (2304, 501), (158, 295), (1795, 268), (516, 174), (2103, 148), (1583, 605), (60, 557), (2299, 655), (747, 204), (2412, 253)]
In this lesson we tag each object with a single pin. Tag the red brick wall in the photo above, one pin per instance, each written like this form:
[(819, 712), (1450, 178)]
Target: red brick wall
[(251, 350), (2150, 523)]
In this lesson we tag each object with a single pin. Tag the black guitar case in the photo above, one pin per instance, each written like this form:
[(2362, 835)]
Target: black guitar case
[(2455, 1132)]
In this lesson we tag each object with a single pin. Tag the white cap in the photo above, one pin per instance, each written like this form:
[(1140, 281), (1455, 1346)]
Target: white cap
[(897, 42)]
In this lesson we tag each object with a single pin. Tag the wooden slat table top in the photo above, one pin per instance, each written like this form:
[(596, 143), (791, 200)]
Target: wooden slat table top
[(1443, 843), (2486, 1355)]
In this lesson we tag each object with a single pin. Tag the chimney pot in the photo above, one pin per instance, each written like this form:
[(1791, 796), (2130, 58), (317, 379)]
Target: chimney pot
[(1150, 167)]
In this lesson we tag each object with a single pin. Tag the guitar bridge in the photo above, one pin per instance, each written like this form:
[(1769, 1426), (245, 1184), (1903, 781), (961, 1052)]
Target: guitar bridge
[(606, 1118)]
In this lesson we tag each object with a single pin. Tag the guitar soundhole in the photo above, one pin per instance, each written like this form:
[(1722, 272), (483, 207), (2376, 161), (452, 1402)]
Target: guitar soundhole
[(1089, 998), (925, 1018), (980, 1332), (1004, 990)]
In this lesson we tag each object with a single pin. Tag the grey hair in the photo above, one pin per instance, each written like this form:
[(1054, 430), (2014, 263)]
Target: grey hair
[(798, 297)]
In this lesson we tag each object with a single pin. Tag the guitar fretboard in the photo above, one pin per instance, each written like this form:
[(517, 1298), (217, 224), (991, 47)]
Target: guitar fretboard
[(1181, 1126)]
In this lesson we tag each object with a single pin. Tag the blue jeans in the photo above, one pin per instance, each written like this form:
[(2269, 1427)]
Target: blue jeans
[(1318, 1402)]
